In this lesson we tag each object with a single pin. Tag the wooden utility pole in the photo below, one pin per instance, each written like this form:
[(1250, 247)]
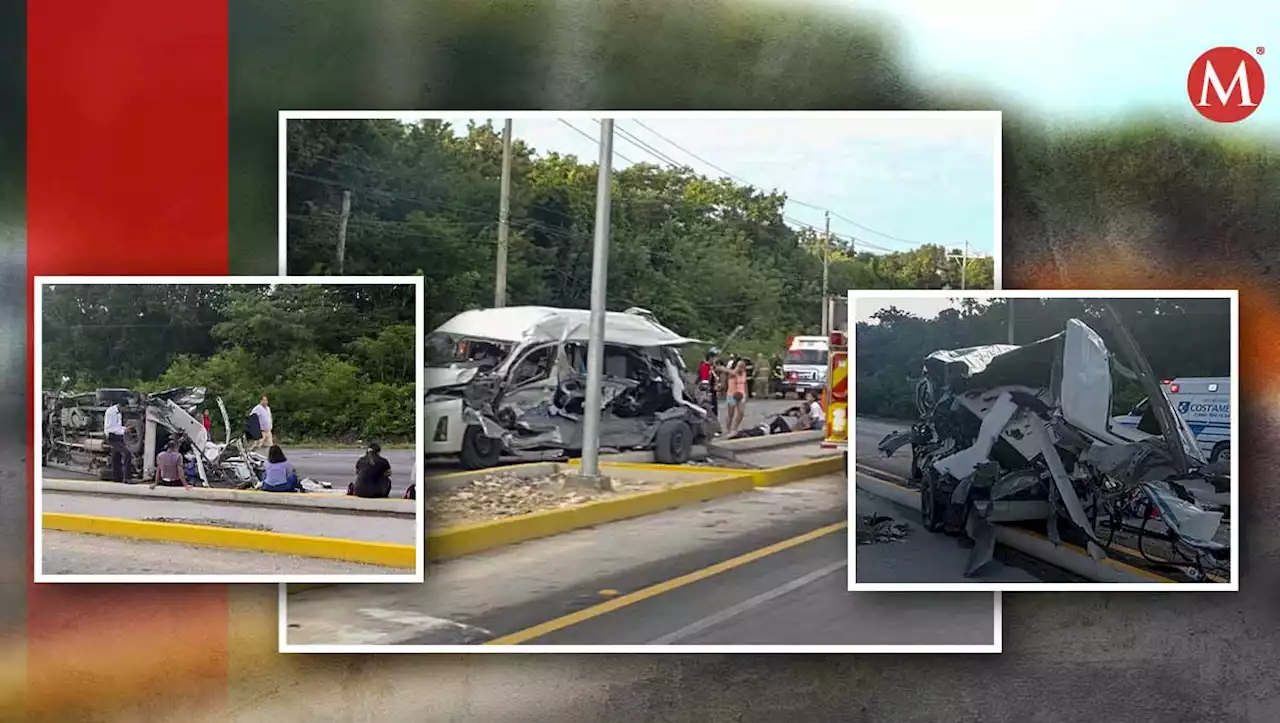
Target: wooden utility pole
[(504, 219), (342, 231)]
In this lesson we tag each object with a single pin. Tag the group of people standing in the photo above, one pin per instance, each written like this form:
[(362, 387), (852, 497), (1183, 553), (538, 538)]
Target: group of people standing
[(733, 380)]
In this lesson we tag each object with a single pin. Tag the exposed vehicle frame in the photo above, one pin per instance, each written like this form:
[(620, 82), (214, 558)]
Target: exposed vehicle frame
[(73, 437), (510, 382), (1019, 434)]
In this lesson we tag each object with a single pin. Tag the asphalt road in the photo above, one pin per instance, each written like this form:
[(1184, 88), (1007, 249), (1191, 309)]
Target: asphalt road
[(794, 596), (337, 465), (728, 571), (922, 556)]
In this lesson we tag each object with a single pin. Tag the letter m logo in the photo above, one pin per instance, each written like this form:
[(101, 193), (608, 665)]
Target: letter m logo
[(1230, 101)]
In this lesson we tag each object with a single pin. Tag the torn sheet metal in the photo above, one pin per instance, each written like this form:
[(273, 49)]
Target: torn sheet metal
[(1023, 434)]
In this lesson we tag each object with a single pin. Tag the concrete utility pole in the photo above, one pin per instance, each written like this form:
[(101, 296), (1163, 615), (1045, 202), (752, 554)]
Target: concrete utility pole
[(504, 219), (599, 282), (826, 264), (342, 231)]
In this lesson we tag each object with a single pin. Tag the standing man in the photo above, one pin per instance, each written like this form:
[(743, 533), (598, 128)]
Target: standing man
[(708, 382), (263, 413), (121, 460)]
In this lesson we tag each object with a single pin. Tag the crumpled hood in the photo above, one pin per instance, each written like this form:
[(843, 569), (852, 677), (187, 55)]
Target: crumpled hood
[(443, 377)]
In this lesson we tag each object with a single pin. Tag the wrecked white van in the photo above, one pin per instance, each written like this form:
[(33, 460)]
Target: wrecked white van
[(1023, 434), (510, 382)]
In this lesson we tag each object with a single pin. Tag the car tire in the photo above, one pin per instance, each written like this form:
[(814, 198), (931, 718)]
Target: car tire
[(1221, 451), (479, 451), (673, 443)]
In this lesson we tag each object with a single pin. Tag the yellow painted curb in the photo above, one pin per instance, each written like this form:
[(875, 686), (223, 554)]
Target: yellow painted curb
[(462, 540), (798, 471), (768, 477), (370, 553)]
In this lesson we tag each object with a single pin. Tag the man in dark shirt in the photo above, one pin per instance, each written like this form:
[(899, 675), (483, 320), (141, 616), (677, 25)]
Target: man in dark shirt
[(373, 474)]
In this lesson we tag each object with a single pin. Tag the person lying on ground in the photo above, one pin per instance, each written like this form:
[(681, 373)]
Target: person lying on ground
[(373, 475), (280, 476), (169, 468)]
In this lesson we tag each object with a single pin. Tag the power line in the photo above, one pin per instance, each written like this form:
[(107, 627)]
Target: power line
[(796, 201), (586, 135)]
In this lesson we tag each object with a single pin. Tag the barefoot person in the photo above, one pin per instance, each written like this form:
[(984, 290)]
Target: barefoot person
[(736, 395)]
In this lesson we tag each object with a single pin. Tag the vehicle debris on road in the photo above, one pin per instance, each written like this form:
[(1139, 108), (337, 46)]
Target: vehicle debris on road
[(875, 529), (1016, 434)]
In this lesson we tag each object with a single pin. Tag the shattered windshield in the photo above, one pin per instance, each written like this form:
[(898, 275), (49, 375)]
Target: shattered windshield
[(807, 356), (445, 350)]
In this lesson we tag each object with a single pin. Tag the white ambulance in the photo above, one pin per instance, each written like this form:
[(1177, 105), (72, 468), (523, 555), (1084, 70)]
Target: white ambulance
[(1205, 404), (804, 368)]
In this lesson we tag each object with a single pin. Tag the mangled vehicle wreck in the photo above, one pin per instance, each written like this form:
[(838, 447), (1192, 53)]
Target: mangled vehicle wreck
[(511, 382), (74, 438), (1022, 435)]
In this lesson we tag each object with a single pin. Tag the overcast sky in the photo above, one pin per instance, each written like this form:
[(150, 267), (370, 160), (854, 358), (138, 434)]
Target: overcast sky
[(897, 183), (925, 308), (1079, 60)]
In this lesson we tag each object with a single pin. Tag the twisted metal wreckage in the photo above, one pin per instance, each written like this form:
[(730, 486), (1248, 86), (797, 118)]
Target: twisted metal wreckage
[(512, 382), (74, 438), (1014, 434)]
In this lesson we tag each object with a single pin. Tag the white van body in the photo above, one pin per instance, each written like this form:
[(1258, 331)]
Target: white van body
[(1205, 404), (804, 368), (512, 336)]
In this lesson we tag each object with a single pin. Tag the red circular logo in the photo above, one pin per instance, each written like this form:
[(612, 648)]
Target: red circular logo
[(1226, 84)]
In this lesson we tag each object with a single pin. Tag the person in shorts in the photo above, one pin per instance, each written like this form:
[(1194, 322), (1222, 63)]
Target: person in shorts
[(736, 395), (169, 468)]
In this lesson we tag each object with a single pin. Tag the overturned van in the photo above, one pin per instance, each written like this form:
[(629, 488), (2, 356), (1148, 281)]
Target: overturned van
[(511, 382), (1023, 434)]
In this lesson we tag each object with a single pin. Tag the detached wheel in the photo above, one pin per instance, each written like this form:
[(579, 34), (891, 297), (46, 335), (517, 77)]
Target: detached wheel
[(673, 444), (1221, 453), (931, 510), (479, 451)]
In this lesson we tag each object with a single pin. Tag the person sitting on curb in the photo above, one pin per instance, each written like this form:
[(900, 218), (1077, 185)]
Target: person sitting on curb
[(373, 474), (280, 476), (169, 471)]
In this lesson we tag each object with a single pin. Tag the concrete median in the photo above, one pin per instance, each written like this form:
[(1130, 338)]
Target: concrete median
[(320, 501), (452, 542), (371, 553)]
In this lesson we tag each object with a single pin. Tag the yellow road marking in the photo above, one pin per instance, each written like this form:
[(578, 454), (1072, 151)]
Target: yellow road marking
[(560, 623)]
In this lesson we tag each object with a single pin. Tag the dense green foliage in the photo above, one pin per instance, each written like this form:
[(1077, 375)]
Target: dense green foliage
[(1175, 202), (705, 255), (337, 361), (1179, 337)]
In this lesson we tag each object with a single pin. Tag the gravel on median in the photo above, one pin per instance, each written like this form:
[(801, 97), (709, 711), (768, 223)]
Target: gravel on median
[(502, 495)]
